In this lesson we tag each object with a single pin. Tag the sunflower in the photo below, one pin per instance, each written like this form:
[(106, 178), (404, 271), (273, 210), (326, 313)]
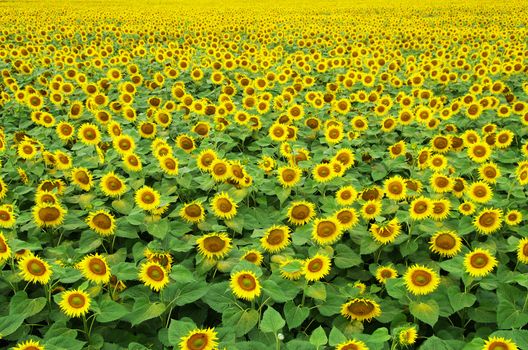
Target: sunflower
[(28, 345), (288, 176), (489, 172), (441, 144), (291, 269), (488, 220), (169, 165), (445, 243), (421, 280), (359, 123), (395, 188), (7, 217), (386, 233), (253, 256), (480, 192), (113, 185), (199, 339), (26, 150), (504, 139), (132, 162), (441, 183), (334, 134), (301, 212), (214, 245), (383, 273), (499, 343), (352, 345), (466, 208), (278, 132), (192, 212), (398, 149), (94, 268), (323, 173), (361, 309), (147, 198), (153, 275), (5, 250), (345, 156), (186, 143), (220, 170), (441, 208), (522, 250), (437, 162), (82, 178), (513, 217), (161, 257), (34, 269), (326, 231), (479, 152), (347, 217), (3, 189), (75, 303), (346, 195), (371, 209), (224, 206), (317, 267), (48, 215), (420, 208), (407, 336), (102, 222), (89, 134), (479, 262), (276, 238), (205, 159), (245, 285)]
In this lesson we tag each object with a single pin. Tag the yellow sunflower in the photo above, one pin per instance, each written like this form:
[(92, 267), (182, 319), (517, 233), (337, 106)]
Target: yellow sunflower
[(82, 178), (192, 212), (34, 269), (479, 192), (420, 208), (323, 173), (205, 159), (5, 250), (29, 345), (224, 206), (522, 250), (147, 198), (445, 243), (371, 209), (345, 156), (387, 232), (383, 273), (441, 208), (479, 152), (7, 216), (253, 256), (113, 185), (101, 222), (346, 195), (214, 245), (489, 220), (95, 268), (89, 134), (361, 309), (326, 231), (245, 285), (407, 336), (75, 303), (153, 275), (467, 208), (499, 343), (291, 269), (489, 172), (513, 217), (288, 176), (200, 339), (479, 262), (347, 217), (220, 170), (421, 280), (48, 215), (301, 212), (352, 345), (317, 267), (3, 189), (276, 238), (395, 188), (132, 162)]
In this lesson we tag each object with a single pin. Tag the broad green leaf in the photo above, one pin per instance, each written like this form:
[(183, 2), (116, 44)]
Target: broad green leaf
[(425, 311), (272, 321)]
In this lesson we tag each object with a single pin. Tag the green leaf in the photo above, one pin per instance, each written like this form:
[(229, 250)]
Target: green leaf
[(179, 329), (241, 321), (318, 337), (425, 311), (395, 288), (111, 311), (125, 271), (190, 292), (219, 297), (295, 314), (144, 310), (460, 300), (272, 321), (435, 343), (510, 313), (316, 291), (336, 337), (20, 305), (345, 257), (158, 229), (9, 324)]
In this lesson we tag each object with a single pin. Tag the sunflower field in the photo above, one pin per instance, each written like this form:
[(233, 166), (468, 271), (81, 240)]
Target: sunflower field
[(241, 175)]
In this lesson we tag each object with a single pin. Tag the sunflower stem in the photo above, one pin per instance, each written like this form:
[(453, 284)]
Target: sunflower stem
[(85, 325)]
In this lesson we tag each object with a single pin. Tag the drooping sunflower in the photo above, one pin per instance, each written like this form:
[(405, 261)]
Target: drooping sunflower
[(224, 206), (199, 339), (479, 192), (317, 267), (101, 222), (193, 212), (214, 245), (326, 231), (276, 238), (82, 178), (301, 212), (75, 303), (153, 275), (29, 345), (147, 198), (383, 273), (347, 217), (113, 185), (445, 243), (346, 195), (371, 209), (48, 215), (352, 345), (7, 216), (245, 285), (95, 268), (479, 262), (513, 217), (253, 256), (5, 250), (420, 208), (488, 220), (34, 269), (288, 176), (361, 309), (499, 343), (395, 188), (421, 280), (386, 233)]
